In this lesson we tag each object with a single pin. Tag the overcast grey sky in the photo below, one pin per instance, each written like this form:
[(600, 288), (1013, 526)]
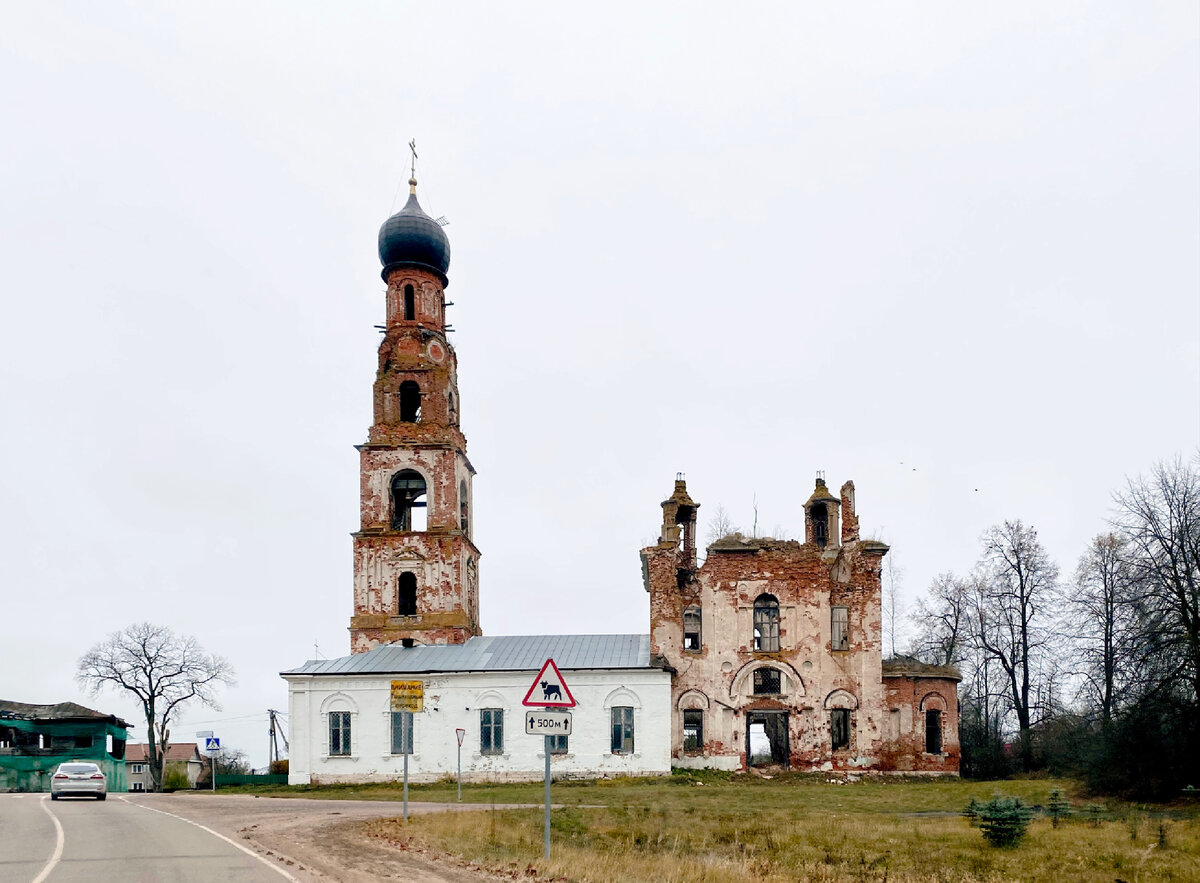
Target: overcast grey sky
[(950, 251)]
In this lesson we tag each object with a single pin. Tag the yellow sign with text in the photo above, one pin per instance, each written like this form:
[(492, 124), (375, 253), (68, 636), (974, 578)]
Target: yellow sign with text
[(408, 696)]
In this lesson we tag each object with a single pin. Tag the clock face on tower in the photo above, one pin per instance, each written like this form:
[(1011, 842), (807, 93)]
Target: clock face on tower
[(436, 351)]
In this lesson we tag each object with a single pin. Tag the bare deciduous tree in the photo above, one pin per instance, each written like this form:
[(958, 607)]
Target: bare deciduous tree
[(164, 670), (1159, 519), (720, 524), (1102, 620), (1014, 603), (942, 621)]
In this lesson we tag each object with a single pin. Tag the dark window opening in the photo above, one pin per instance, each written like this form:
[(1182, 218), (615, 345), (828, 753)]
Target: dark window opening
[(839, 628), (839, 727), (693, 730), (408, 491), (407, 642), (766, 623), (933, 732), (558, 744), (463, 520), (406, 595), (766, 682), (767, 738), (820, 522), (491, 731), (452, 409), (339, 733), (622, 729), (410, 402), (83, 741), (691, 628), (410, 304)]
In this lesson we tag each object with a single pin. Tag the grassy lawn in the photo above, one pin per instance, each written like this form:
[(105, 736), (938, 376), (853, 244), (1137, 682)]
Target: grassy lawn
[(713, 827)]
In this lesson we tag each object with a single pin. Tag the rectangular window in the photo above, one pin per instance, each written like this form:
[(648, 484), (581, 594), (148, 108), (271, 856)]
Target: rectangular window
[(691, 629), (766, 681), (693, 730), (839, 727), (491, 731), (622, 729), (558, 744), (840, 628), (339, 733), (138, 786), (138, 768), (402, 732), (933, 732)]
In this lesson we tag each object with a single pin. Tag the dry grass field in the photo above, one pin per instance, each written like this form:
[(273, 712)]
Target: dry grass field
[(691, 828)]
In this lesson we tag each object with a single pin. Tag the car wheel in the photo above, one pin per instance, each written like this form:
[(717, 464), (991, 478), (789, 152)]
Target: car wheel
[(54, 797), (101, 796)]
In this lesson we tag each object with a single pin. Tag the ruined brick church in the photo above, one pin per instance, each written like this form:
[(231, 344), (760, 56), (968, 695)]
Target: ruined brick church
[(766, 654), (775, 649)]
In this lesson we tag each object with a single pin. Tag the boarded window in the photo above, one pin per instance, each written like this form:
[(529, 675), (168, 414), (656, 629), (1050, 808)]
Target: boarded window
[(402, 732), (766, 682), (766, 623), (408, 496), (839, 628), (691, 628), (339, 733), (693, 730), (622, 729), (839, 727), (933, 731), (406, 595), (491, 731)]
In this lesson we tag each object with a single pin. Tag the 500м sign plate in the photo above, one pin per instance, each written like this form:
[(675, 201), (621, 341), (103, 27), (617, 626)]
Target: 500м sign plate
[(548, 723)]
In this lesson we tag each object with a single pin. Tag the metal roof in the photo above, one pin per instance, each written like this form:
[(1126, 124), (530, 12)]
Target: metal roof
[(498, 653)]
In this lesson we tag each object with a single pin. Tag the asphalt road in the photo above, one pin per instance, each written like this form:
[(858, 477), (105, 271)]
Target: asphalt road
[(82, 839)]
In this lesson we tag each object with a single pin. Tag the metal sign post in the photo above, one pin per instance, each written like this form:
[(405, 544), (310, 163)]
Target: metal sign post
[(407, 697), (546, 833), (212, 747), (460, 733), (552, 720)]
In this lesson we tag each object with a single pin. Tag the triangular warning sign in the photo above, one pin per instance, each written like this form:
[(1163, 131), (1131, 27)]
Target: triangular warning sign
[(549, 690)]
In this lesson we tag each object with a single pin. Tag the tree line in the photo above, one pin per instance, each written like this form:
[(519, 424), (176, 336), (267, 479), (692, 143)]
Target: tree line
[(1096, 674)]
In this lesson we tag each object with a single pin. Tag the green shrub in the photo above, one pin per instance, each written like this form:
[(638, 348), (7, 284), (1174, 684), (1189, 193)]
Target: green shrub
[(1003, 820), (174, 779)]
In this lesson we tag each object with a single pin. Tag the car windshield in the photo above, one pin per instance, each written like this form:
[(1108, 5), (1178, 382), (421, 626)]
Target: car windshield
[(79, 768)]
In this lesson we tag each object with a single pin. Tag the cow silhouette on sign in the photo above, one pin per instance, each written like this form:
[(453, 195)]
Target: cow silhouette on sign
[(550, 690)]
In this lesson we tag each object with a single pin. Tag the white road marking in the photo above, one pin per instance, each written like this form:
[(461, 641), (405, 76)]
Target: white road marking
[(274, 867), (58, 846)]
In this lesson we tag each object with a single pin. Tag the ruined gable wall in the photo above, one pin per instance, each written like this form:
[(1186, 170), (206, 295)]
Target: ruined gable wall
[(719, 678)]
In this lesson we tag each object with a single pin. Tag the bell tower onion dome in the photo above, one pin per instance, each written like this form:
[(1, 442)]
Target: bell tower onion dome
[(410, 238)]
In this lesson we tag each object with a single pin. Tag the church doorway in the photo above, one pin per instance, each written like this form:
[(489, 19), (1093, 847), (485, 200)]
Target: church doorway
[(767, 738)]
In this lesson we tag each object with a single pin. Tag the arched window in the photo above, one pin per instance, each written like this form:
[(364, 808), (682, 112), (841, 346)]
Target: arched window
[(406, 595), (766, 623), (691, 628), (410, 304), (410, 402), (452, 408), (820, 523), (463, 520), (408, 492)]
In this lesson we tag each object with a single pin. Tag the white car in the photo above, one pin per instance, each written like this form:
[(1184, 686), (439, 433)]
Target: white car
[(84, 779)]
